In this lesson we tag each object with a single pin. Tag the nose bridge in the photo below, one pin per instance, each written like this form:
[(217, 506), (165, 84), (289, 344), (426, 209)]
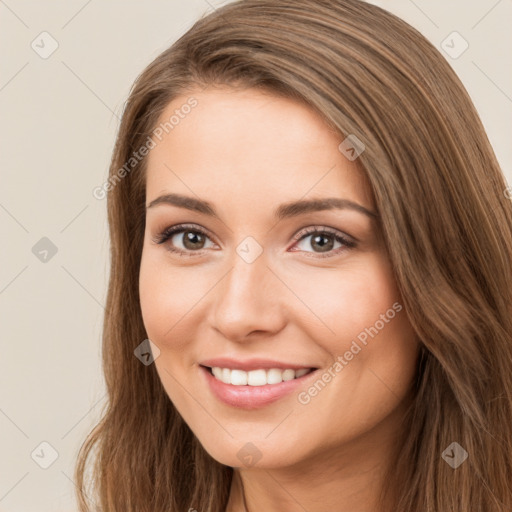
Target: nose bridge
[(247, 299)]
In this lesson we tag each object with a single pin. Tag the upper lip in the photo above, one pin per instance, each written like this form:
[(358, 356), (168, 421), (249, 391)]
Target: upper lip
[(251, 364)]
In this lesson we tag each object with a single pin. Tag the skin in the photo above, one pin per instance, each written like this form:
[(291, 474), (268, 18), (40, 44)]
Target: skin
[(246, 152)]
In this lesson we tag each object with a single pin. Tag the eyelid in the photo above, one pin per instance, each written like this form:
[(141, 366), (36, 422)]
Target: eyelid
[(322, 229), (169, 231)]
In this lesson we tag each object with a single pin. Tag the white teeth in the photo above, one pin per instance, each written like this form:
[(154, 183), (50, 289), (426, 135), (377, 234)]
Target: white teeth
[(238, 378), (256, 377), (274, 376), (289, 374)]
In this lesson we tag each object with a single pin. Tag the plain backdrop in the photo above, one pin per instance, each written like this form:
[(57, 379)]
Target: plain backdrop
[(66, 69)]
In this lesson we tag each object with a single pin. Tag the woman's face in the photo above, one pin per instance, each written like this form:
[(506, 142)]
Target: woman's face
[(256, 285)]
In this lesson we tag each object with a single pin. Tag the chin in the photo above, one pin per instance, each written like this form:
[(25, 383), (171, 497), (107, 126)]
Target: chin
[(257, 453)]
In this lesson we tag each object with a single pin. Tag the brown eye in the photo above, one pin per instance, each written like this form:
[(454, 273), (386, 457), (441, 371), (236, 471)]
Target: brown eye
[(193, 240), (184, 240), (323, 241)]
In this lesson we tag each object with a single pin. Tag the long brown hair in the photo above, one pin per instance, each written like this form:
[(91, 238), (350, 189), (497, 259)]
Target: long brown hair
[(446, 222)]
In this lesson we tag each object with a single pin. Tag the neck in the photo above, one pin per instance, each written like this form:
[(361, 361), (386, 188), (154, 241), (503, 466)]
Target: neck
[(314, 491)]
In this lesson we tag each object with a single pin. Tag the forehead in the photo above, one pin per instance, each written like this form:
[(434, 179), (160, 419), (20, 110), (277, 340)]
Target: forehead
[(250, 145)]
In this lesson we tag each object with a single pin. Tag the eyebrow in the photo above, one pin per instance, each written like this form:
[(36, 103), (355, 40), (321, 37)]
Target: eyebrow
[(285, 210)]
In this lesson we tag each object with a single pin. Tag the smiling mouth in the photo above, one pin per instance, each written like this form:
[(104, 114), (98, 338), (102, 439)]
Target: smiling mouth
[(259, 377)]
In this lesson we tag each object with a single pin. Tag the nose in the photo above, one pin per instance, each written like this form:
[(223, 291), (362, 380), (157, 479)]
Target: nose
[(248, 301)]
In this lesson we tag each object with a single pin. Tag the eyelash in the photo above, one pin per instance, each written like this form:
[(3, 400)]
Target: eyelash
[(168, 232)]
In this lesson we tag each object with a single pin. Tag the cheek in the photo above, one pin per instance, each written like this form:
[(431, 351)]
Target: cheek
[(372, 327), (380, 350), (375, 349), (368, 329), (169, 296), (344, 300)]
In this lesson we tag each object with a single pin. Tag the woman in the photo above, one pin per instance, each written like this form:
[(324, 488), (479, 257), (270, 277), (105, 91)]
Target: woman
[(308, 222)]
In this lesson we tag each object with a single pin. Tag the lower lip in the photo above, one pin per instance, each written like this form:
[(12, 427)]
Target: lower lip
[(251, 397)]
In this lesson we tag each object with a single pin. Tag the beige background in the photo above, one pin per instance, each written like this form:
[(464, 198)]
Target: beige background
[(59, 116)]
